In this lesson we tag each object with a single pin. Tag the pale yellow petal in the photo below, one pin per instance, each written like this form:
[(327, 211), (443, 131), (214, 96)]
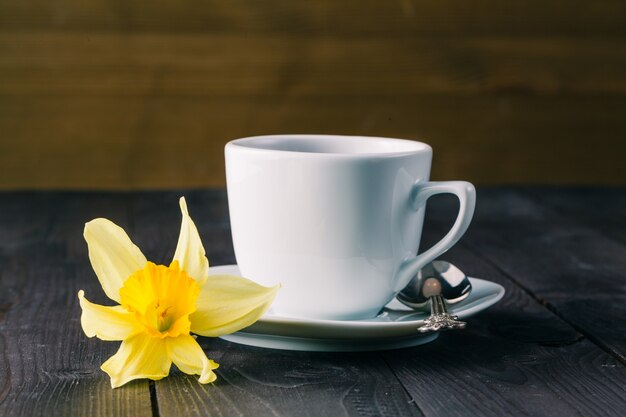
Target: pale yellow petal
[(140, 356), (113, 255), (106, 323), (189, 357), (228, 303), (190, 253)]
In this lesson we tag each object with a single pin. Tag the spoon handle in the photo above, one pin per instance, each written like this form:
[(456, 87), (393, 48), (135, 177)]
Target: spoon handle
[(439, 318)]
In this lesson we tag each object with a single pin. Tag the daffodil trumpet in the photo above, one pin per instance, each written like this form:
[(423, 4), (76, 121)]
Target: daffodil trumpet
[(159, 306)]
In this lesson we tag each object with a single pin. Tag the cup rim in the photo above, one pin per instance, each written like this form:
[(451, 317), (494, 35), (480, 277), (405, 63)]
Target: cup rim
[(413, 147)]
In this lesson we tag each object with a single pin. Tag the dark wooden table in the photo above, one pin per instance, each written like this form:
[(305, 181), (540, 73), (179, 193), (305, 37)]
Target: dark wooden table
[(554, 346)]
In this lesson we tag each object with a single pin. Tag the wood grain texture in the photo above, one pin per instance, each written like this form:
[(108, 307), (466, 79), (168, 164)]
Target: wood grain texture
[(235, 65), (573, 268), (516, 358), (349, 18), (100, 94), (601, 208), (48, 367), (264, 382), (169, 141), (510, 379)]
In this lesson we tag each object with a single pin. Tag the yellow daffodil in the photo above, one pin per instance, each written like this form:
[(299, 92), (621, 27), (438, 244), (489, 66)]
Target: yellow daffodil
[(160, 305)]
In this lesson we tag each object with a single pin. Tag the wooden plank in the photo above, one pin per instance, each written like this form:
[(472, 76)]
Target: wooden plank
[(105, 110), (516, 358), (212, 65), (571, 267), (601, 208), (117, 142), (157, 223), (324, 16), (94, 94), (265, 382), (49, 367)]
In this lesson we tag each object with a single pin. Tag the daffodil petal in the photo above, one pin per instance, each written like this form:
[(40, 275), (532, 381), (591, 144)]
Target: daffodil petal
[(106, 323), (189, 357), (113, 255), (190, 253), (140, 356), (228, 303)]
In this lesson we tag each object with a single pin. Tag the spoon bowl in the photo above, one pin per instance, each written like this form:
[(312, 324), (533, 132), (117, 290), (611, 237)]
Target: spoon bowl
[(455, 285)]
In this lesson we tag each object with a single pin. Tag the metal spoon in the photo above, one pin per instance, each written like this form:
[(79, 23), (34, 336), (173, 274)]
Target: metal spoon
[(437, 283)]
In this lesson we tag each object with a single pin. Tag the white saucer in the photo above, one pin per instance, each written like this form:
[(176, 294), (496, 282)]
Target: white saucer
[(395, 327)]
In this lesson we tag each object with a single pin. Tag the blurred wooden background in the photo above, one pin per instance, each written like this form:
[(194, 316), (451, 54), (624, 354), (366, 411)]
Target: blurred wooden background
[(144, 94)]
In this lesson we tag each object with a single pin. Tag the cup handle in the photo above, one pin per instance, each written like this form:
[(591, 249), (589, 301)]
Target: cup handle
[(421, 192)]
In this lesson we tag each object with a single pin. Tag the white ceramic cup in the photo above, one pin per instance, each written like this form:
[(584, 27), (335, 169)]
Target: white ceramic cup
[(336, 220)]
